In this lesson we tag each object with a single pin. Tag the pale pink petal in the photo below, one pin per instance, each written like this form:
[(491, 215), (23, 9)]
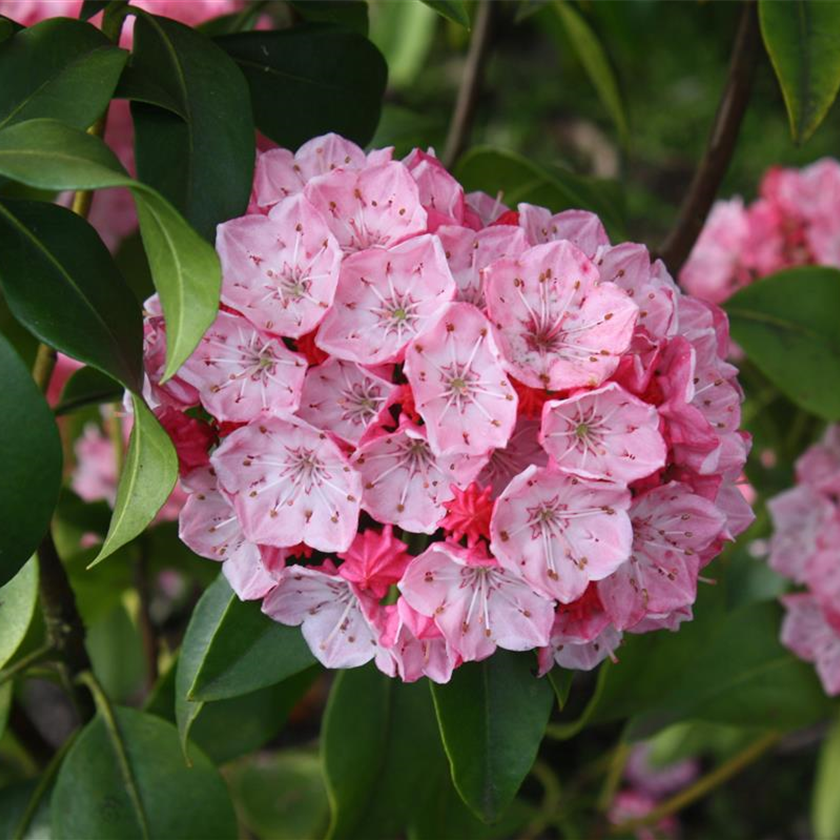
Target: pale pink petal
[(798, 515), (580, 227), (556, 327), (280, 271), (606, 433), (488, 208), (290, 483), (344, 398), (385, 299), (560, 532), (460, 387), (522, 450)]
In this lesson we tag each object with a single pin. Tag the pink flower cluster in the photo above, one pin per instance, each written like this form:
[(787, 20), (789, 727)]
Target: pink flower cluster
[(806, 522), (795, 221), (447, 426)]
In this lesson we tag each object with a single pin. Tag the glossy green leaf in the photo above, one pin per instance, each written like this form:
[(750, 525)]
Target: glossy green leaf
[(139, 87), (492, 717), (7, 28), (49, 155), (115, 647), (405, 34), (348, 14), (282, 795), (87, 386), (801, 38), (202, 164), (825, 807), (454, 10), (595, 62), (756, 681), (374, 729), (92, 7), (17, 605), (148, 476), (59, 68), (248, 651), (30, 452), (311, 80), (129, 781), (516, 179), (787, 325), (61, 282)]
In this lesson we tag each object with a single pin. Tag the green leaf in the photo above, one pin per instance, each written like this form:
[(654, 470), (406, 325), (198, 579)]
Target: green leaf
[(139, 87), (375, 730), (92, 7), (281, 796), (61, 282), (17, 606), (405, 34), (115, 647), (59, 68), (311, 80), (787, 325), (755, 681), (801, 39), (454, 10), (30, 452), (595, 62), (204, 163), (351, 15), (492, 717), (149, 474), (561, 682), (825, 807), (247, 651), (516, 179), (126, 778), (49, 155), (87, 386)]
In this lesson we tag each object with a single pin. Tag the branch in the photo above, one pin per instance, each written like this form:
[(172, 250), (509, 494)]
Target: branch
[(462, 118), (707, 179), (701, 787)]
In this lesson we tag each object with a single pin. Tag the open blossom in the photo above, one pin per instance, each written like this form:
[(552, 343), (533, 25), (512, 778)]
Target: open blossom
[(556, 325), (460, 387), (476, 603), (397, 364)]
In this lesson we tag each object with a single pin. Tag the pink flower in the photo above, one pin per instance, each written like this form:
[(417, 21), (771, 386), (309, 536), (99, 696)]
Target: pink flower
[(476, 603), (809, 635), (555, 325), (344, 398), (330, 612), (560, 532), (578, 655), (487, 208), (385, 299), (606, 433), (290, 483), (583, 229), (280, 174), (280, 271), (460, 387), (468, 514), (95, 476), (405, 483), (469, 252), (672, 528), (376, 561), (377, 207), (209, 526), (655, 779), (241, 373), (798, 516), (819, 466), (441, 196)]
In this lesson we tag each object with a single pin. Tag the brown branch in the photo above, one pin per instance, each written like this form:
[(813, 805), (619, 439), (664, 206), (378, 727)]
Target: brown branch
[(707, 179), (462, 117)]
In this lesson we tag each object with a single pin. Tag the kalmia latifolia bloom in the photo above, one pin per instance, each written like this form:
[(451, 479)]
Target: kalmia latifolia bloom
[(804, 548), (794, 221), (439, 426)]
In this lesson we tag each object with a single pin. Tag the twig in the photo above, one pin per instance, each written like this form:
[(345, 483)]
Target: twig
[(462, 117), (702, 786), (707, 178)]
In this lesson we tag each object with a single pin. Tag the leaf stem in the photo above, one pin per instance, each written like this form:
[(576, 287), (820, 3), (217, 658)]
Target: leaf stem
[(468, 92), (27, 662), (715, 161), (702, 786)]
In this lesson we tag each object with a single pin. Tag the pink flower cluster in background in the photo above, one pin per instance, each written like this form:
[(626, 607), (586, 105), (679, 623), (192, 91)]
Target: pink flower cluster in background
[(806, 522), (447, 426), (795, 221)]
